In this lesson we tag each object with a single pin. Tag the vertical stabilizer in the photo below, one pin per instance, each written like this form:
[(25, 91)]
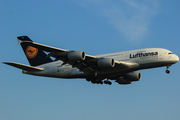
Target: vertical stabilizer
[(34, 55)]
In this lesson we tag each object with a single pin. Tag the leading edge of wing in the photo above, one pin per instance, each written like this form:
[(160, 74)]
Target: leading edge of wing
[(124, 65), (23, 67)]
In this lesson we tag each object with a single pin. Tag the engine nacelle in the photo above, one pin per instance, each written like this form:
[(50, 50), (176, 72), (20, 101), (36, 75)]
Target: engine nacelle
[(76, 55), (135, 76), (106, 62), (123, 81)]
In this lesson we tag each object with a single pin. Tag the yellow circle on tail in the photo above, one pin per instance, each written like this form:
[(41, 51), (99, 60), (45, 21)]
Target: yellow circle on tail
[(31, 52)]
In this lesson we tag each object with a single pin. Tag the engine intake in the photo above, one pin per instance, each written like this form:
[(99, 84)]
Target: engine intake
[(76, 55), (106, 62)]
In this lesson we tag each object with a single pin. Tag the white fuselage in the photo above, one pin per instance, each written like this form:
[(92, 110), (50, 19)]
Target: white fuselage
[(145, 58)]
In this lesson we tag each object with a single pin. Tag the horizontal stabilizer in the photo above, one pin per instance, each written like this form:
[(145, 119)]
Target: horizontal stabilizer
[(23, 67)]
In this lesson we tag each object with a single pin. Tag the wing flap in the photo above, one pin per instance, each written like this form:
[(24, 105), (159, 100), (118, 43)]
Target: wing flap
[(23, 67)]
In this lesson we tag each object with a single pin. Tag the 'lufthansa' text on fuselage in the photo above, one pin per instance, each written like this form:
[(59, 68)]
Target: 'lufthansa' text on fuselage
[(143, 54)]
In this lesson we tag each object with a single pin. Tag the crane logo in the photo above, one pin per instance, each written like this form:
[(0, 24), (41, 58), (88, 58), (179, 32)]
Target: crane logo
[(31, 52)]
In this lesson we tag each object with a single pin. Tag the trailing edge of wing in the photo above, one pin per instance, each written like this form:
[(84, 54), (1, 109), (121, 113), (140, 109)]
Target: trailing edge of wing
[(23, 67)]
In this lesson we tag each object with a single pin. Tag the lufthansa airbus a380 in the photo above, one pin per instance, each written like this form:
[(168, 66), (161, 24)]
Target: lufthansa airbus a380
[(120, 66)]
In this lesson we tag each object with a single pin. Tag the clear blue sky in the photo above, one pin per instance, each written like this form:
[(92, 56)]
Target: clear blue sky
[(96, 27)]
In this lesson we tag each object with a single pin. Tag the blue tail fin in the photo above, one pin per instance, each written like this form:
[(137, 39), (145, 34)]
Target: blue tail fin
[(35, 56)]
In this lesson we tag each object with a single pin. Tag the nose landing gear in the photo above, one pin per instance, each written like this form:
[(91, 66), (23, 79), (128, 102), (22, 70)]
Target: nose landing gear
[(167, 71)]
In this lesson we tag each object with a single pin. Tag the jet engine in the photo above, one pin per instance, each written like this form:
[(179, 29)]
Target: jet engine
[(76, 55), (106, 62), (135, 76), (123, 81), (129, 78)]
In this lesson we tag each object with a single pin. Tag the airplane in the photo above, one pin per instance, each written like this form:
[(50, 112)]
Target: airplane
[(121, 67)]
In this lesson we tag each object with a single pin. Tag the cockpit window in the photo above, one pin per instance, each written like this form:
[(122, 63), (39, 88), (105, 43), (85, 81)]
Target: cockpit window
[(170, 53)]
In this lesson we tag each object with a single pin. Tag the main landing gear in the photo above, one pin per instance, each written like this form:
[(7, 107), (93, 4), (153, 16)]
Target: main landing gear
[(167, 69), (101, 82), (107, 82), (98, 81)]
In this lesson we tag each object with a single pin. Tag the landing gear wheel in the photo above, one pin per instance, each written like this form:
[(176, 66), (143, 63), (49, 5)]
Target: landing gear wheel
[(101, 82), (167, 71), (107, 82)]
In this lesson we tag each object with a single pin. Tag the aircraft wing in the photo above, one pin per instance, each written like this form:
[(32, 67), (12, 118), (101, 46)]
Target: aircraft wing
[(23, 67), (88, 65)]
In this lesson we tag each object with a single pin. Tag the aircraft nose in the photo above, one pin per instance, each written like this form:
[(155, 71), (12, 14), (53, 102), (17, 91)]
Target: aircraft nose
[(175, 58)]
